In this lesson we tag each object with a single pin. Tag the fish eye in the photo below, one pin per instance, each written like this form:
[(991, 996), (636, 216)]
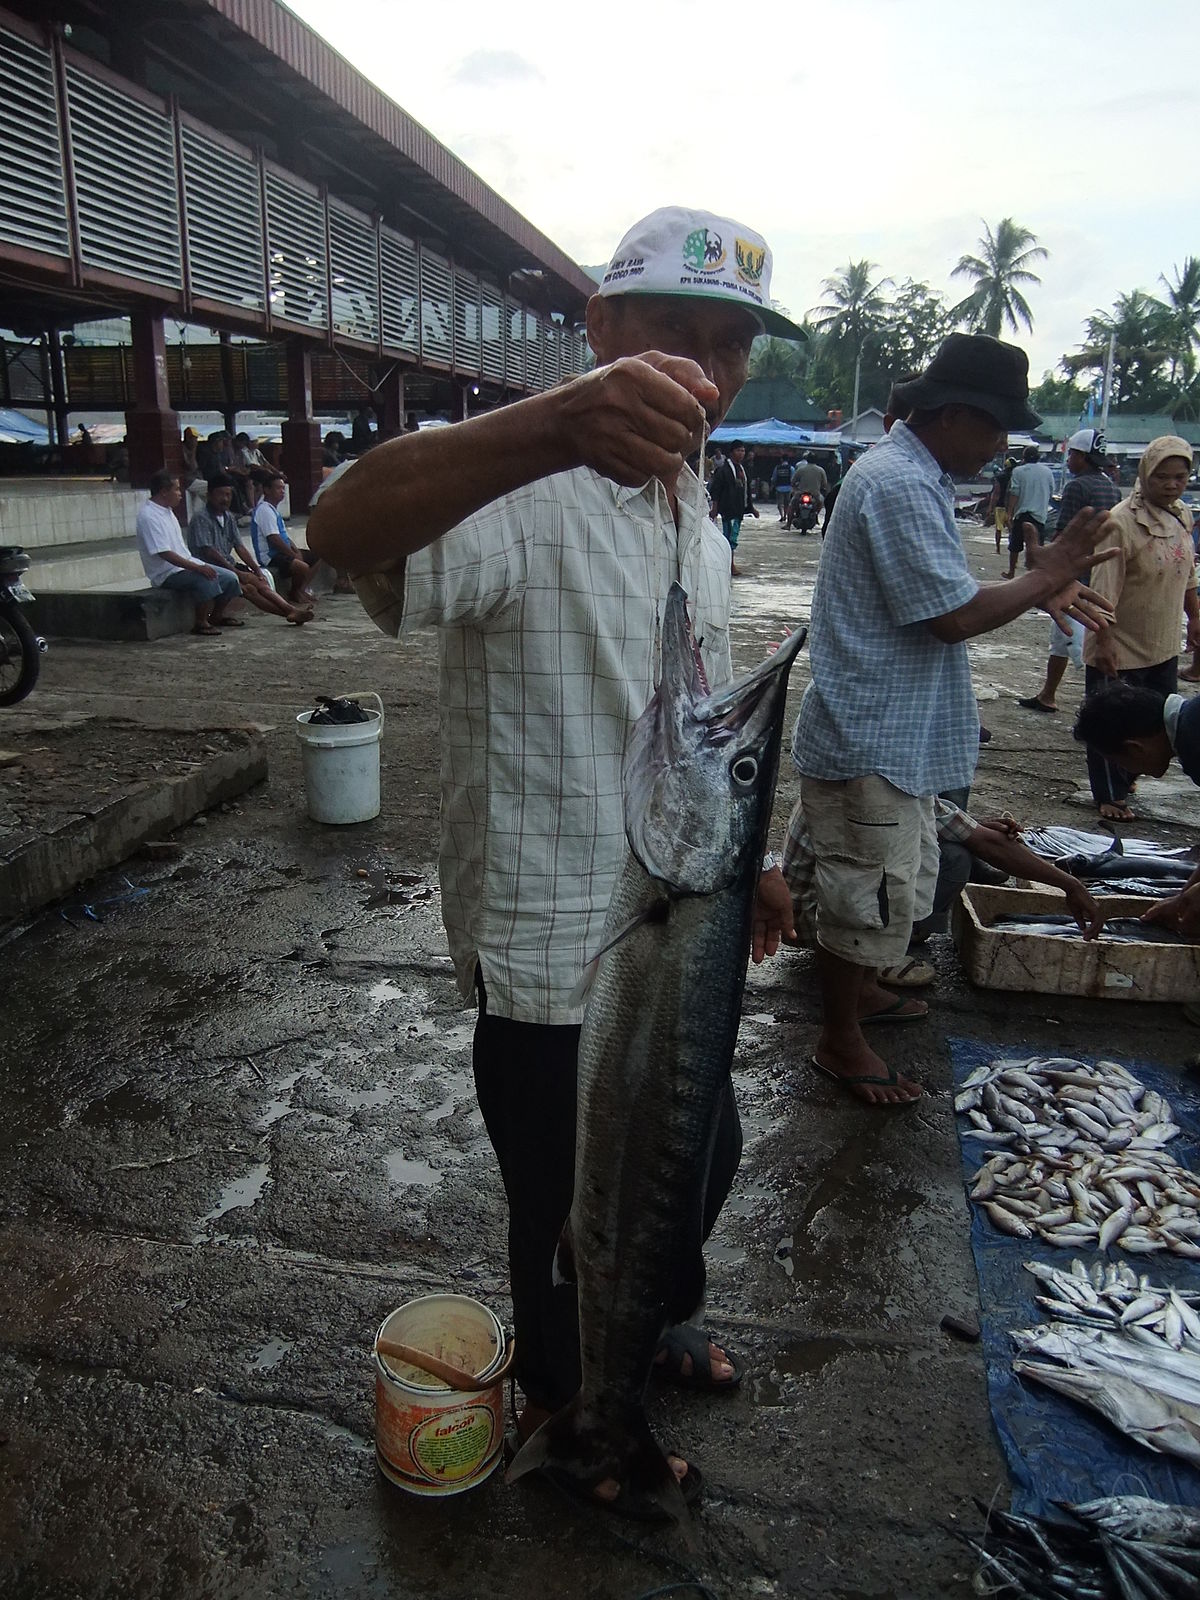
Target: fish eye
[(743, 771)]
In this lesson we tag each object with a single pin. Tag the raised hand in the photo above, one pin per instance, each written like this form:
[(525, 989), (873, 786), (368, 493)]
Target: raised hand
[(637, 418)]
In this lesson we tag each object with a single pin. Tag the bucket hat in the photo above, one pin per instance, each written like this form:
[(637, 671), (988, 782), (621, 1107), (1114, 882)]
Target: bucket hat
[(971, 369), (679, 251)]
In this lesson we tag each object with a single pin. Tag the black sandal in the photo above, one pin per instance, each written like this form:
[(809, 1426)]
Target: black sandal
[(685, 1340)]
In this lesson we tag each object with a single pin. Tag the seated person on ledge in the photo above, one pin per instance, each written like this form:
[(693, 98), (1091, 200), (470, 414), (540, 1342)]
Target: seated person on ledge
[(1141, 730), (169, 564), (273, 546), (213, 537)]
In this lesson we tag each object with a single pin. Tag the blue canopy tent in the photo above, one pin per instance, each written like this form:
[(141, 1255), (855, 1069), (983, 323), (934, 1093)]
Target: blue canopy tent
[(773, 432), (17, 428)]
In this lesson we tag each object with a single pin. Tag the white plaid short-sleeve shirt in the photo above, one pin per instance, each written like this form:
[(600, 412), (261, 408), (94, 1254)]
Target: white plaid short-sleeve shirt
[(548, 605)]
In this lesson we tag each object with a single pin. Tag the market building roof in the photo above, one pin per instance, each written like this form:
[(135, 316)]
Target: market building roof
[(775, 397)]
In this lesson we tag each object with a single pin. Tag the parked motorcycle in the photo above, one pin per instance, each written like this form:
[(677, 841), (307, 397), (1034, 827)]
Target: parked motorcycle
[(21, 649), (802, 512)]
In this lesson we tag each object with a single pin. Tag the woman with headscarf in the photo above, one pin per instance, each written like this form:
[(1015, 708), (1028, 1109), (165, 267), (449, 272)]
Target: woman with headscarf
[(1151, 584)]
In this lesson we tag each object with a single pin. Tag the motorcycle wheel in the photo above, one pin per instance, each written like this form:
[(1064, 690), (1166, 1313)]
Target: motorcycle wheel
[(20, 658)]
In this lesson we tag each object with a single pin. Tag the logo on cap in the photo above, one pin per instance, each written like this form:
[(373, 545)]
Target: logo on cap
[(704, 251), (750, 261)]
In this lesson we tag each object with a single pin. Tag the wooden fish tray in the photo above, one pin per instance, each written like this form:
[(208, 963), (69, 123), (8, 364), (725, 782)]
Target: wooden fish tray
[(1039, 964)]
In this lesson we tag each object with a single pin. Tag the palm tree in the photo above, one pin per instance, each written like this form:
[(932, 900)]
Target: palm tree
[(1140, 328), (1003, 263), (1183, 311), (854, 312)]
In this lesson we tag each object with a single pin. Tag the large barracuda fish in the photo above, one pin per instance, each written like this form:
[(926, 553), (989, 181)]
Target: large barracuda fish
[(656, 1047)]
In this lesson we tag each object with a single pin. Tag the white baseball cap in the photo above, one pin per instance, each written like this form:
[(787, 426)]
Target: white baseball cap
[(679, 251), (1089, 441)]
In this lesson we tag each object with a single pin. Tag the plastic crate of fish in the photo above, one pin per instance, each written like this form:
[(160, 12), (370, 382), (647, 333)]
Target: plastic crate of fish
[(1040, 963)]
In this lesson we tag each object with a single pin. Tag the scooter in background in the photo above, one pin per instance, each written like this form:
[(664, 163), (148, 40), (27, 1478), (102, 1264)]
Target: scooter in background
[(21, 649)]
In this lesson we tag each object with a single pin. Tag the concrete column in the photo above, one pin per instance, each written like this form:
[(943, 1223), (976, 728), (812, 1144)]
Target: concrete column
[(301, 433), (229, 409), (458, 400), (151, 427), (390, 404), (58, 389)]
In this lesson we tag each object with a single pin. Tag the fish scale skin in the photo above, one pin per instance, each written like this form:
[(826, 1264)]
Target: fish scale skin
[(654, 1057)]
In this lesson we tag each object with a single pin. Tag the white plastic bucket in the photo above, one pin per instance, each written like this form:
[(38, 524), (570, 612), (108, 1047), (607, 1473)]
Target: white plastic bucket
[(341, 765), (431, 1439)]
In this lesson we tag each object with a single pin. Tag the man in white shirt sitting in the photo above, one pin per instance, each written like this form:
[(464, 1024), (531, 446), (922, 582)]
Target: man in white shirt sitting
[(169, 564)]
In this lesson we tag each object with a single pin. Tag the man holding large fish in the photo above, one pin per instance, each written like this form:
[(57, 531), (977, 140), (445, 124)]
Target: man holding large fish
[(547, 541), (889, 719)]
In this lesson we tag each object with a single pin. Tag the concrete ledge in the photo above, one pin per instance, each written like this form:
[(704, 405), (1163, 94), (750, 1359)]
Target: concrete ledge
[(37, 869), (139, 614)]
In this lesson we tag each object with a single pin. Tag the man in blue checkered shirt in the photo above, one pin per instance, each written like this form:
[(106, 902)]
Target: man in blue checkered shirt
[(889, 719)]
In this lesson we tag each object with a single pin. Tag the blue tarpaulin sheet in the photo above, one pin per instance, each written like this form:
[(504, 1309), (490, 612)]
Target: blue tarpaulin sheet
[(1057, 1449), (17, 428), (772, 431)]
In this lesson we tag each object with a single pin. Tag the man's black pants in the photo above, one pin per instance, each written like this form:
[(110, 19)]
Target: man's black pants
[(525, 1078), (1110, 783)]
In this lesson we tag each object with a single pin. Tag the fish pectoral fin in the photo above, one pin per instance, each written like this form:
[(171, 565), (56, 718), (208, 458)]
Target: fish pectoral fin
[(657, 911), (564, 1257)]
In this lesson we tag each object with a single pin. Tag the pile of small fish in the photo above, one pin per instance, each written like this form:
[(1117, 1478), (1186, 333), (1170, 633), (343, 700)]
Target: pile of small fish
[(1137, 1381), (1084, 1160), (1126, 1548), (1111, 1296), (1117, 930)]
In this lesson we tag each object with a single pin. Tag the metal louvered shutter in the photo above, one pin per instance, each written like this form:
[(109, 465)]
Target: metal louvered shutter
[(533, 351), (224, 212), (33, 201), (551, 354), (400, 296), (355, 263), (492, 360), (124, 158), (296, 251), (467, 341), (436, 324), (514, 345)]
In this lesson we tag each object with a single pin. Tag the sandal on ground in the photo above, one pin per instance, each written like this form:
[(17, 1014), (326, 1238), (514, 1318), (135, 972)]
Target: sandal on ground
[(208, 632), (628, 1505), (1032, 703), (867, 1080), (685, 1340), (910, 974), (1115, 811), (900, 1011)]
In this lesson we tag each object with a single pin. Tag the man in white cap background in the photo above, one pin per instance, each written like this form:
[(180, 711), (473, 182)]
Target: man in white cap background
[(889, 719), (1089, 487), (541, 540)]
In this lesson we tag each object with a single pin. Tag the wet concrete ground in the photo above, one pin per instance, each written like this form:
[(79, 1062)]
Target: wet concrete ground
[(237, 1128)]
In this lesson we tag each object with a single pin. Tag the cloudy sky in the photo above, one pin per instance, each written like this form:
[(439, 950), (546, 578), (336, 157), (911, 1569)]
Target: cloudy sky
[(877, 128)]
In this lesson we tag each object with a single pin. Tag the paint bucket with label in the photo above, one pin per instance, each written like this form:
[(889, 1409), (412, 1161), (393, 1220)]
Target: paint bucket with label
[(439, 1435)]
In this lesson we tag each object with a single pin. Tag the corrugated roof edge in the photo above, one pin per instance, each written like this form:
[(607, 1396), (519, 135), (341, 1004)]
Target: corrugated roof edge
[(300, 47)]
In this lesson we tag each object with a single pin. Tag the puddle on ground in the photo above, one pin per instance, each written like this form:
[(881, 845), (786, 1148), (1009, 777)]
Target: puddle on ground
[(748, 1201), (730, 1254), (405, 1173), (239, 1193), (357, 1098), (272, 1353), (397, 889), (382, 992), (280, 1107), (125, 1103), (803, 1359), (444, 1108), (783, 1254)]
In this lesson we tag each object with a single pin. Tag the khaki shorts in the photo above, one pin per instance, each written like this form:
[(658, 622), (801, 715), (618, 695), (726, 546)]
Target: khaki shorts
[(876, 865)]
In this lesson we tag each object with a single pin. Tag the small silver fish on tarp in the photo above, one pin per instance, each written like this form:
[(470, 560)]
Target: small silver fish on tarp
[(656, 1048)]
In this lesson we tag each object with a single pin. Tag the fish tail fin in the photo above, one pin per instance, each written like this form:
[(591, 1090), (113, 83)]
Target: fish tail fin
[(582, 1449)]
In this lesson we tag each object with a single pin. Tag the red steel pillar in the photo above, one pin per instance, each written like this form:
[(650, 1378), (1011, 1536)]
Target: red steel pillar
[(301, 433), (151, 427)]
